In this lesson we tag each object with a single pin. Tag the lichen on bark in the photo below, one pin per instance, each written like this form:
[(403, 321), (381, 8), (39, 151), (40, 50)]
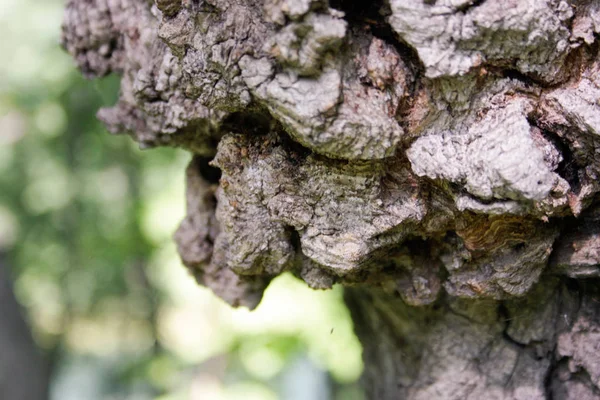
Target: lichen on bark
[(438, 158)]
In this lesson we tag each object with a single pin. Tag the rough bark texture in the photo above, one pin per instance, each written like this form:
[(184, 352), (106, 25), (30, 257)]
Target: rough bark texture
[(440, 158)]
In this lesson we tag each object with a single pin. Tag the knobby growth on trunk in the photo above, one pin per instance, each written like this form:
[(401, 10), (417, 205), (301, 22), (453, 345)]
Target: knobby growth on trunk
[(439, 158)]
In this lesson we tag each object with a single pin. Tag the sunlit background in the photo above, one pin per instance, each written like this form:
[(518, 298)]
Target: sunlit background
[(86, 221)]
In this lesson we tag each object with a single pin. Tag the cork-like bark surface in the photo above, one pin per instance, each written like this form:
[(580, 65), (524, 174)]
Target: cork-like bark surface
[(440, 158)]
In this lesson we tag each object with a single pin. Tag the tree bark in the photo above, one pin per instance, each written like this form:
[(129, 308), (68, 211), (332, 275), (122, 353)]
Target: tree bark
[(538, 347), (438, 158)]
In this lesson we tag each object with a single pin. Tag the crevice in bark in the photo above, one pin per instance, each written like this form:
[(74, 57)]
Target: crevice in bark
[(410, 246), (197, 136), (258, 122), (512, 73), (568, 168), (465, 7), (548, 379), (508, 70), (249, 122), (504, 315), (298, 152), (294, 239), (208, 172), (410, 270), (372, 15), (370, 12), (594, 48)]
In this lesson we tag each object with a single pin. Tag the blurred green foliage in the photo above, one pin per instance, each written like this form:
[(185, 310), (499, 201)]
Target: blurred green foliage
[(86, 219)]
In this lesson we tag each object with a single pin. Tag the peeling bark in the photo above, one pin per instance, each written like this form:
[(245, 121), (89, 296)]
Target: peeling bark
[(437, 158)]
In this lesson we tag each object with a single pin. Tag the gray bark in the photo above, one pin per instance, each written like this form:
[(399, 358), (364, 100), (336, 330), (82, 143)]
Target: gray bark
[(439, 158)]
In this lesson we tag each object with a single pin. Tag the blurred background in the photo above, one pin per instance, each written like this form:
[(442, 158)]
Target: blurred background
[(85, 250)]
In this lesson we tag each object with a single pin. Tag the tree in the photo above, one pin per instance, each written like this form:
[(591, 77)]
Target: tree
[(437, 158), (23, 372)]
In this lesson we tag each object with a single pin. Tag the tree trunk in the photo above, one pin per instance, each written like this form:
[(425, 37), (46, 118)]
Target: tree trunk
[(23, 372), (543, 346), (438, 158)]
